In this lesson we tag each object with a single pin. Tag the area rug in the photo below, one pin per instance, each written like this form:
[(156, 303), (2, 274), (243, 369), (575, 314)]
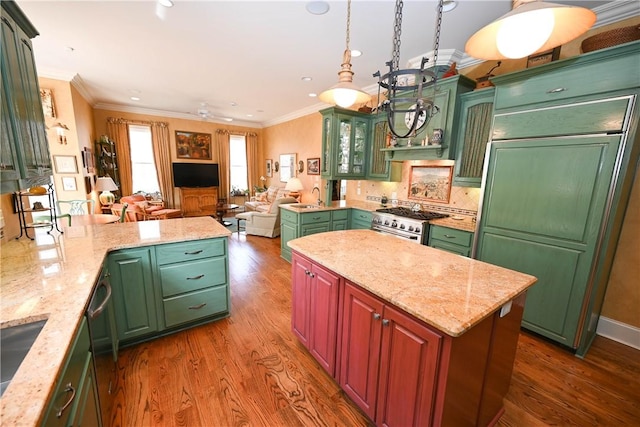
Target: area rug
[(234, 224)]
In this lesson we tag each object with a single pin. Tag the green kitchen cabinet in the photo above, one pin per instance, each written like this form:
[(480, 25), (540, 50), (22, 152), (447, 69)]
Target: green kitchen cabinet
[(344, 144), (25, 150), (560, 169), (74, 400), (472, 135), (133, 292), (447, 100), (340, 220), (193, 280), (360, 219), (451, 240), (288, 231), (379, 168)]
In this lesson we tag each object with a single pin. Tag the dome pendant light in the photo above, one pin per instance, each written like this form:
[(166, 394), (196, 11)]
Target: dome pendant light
[(531, 27), (345, 93)]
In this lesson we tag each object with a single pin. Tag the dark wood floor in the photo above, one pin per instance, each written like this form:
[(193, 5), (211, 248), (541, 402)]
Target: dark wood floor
[(249, 370)]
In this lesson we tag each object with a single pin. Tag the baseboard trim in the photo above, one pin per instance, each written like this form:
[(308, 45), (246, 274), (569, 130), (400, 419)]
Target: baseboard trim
[(618, 331)]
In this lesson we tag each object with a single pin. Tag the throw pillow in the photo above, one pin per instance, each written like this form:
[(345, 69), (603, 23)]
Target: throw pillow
[(261, 197)]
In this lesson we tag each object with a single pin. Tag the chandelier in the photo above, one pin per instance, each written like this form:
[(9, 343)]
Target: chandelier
[(405, 87)]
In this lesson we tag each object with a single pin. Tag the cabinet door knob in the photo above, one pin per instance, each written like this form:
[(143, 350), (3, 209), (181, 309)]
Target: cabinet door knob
[(385, 322), (376, 316)]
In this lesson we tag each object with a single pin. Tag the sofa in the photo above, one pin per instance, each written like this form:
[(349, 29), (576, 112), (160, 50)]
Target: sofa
[(261, 202), (265, 224), (141, 209)]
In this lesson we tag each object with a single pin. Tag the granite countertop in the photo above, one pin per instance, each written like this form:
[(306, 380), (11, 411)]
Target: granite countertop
[(465, 223), (52, 278), (449, 292)]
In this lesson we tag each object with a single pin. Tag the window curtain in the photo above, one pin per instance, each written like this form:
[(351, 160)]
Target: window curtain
[(253, 164), (118, 131), (222, 145), (162, 158)]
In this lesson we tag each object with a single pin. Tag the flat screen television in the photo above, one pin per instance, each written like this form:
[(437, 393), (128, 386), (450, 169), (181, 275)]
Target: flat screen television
[(195, 175)]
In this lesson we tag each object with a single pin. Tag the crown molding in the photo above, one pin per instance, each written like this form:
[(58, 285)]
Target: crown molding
[(81, 87), (172, 114)]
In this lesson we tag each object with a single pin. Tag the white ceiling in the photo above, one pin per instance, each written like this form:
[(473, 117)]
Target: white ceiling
[(244, 59)]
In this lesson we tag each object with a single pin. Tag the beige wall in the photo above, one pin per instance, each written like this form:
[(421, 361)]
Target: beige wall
[(622, 300), (197, 125), (302, 136)]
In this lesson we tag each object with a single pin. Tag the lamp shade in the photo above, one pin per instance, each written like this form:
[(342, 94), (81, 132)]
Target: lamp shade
[(531, 27), (294, 184), (105, 183)]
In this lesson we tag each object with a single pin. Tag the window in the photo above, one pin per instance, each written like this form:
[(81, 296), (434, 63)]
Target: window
[(143, 168), (238, 163)]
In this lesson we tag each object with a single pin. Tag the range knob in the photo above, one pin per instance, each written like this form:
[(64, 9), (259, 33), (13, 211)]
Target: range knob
[(394, 223), (386, 222), (417, 229), (402, 226), (411, 228)]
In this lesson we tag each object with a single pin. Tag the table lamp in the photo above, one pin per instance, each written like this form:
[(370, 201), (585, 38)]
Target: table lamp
[(294, 186), (106, 185)]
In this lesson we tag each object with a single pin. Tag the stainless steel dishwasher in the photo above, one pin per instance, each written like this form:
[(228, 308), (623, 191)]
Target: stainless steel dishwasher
[(104, 344)]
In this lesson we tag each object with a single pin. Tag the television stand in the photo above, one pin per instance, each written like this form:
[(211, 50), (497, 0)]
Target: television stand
[(198, 201)]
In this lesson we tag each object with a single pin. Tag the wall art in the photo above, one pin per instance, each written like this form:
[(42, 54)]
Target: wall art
[(431, 183), (193, 145), (313, 166)]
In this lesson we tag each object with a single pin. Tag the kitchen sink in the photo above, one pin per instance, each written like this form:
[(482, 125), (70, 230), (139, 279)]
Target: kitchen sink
[(15, 343)]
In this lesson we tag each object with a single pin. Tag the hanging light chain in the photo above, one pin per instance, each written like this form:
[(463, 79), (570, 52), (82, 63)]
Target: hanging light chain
[(397, 32), (348, 23), (436, 42)]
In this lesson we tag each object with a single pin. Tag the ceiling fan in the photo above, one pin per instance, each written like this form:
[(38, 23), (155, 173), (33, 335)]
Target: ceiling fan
[(203, 112)]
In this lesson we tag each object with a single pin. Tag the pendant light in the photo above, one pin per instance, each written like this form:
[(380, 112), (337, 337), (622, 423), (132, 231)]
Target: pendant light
[(532, 26), (345, 93)]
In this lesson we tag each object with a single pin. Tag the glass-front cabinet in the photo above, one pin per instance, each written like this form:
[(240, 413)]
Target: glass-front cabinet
[(344, 143)]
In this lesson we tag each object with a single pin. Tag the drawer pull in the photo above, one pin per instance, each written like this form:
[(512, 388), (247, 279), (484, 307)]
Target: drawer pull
[(557, 90), (197, 307), (68, 389), (449, 236), (196, 278), (316, 217), (193, 253)]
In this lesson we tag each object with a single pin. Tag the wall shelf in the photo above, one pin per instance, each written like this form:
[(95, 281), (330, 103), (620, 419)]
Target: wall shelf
[(420, 152)]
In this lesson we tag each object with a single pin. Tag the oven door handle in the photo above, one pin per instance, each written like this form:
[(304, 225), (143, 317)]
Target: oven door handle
[(386, 231), (93, 313)]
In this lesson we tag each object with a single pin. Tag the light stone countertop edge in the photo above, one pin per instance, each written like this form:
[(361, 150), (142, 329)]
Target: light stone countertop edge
[(52, 278)]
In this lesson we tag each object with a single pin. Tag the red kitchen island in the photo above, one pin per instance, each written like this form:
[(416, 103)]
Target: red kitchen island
[(414, 336)]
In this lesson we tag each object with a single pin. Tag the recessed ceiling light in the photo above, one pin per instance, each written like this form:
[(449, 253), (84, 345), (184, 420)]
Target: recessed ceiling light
[(234, 104), (135, 98), (313, 95), (249, 115), (166, 3), (449, 5), (317, 7), (228, 119), (355, 53), (307, 79)]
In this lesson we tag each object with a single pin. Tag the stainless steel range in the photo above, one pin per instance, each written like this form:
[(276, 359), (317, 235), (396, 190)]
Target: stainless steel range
[(408, 223)]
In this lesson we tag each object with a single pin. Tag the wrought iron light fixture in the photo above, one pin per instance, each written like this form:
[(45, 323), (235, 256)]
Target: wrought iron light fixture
[(530, 27), (345, 93), (405, 87)]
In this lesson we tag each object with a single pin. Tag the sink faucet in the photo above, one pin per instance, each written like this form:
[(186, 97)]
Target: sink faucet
[(319, 201)]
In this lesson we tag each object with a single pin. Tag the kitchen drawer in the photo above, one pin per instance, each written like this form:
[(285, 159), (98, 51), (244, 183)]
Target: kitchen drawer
[(315, 228), (186, 251), (315, 217), (191, 276), (340, 214), (450, 235), (195, 305), (569, 78), (361, 219), (74, 368), (450, 247), (287, 215)]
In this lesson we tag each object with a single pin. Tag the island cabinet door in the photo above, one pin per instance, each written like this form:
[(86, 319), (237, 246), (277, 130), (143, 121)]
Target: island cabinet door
[(324, 317), (360, 350), (300, 268), (408, 364)]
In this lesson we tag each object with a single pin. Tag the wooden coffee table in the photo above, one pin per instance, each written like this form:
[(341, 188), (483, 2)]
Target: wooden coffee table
[(221, 210)]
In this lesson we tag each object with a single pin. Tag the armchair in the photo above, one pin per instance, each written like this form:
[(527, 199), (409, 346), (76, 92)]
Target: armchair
[(140, 209), (265, 224)]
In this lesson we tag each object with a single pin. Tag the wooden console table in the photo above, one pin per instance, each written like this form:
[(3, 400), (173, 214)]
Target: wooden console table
[(199, 201)]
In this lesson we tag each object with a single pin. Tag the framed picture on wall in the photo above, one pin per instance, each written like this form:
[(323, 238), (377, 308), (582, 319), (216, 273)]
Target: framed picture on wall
[(69, 183), (313, 166), (430, 183), (269, 168), (65, 164), (193, 145)]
